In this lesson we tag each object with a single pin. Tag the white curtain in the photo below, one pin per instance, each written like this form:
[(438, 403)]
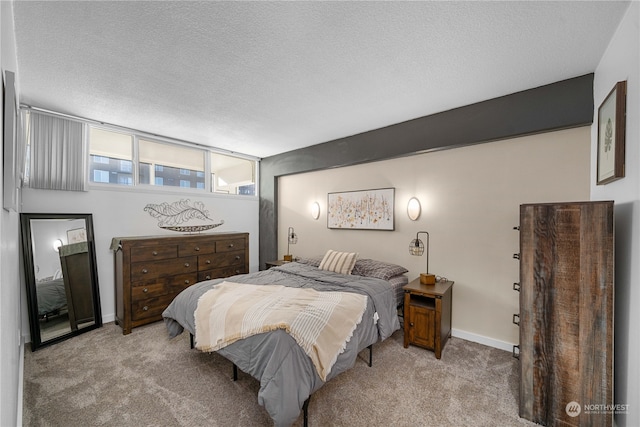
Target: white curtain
[(57, 153)]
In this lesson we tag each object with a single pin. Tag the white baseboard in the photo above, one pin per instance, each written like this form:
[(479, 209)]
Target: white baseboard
[(480, 339), (20, 383)]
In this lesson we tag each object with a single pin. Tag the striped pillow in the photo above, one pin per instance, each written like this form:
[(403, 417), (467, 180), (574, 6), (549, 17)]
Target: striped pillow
[(338, 262)]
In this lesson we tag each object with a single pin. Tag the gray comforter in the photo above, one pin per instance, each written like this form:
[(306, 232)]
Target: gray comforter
[(286, 374)]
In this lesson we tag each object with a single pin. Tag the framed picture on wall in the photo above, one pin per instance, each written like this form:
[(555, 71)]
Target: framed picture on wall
[(76, 235), (611, 135), (361, 210)]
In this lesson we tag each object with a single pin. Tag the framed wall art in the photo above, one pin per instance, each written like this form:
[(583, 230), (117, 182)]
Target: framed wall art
[(611, 135), (77, 235), (361, 210)]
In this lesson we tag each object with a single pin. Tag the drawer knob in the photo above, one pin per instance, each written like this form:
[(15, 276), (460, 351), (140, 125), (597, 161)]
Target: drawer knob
[(186, 264), (207, 277), (411, 324), (237, 257), (516, 286), (145, 308), (145, 290), (237, 271), (154, 253), (186, 282), (208, 261), (197, 249), (230, 245), (145, 271)]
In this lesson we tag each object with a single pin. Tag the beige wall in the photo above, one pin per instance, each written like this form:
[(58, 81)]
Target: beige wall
[(470, 198)]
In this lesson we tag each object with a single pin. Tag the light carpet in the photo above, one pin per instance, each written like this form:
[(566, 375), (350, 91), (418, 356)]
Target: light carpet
[(104, 378)]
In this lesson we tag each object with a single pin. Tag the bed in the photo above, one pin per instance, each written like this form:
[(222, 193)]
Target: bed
[(51, 296), (286, 373)]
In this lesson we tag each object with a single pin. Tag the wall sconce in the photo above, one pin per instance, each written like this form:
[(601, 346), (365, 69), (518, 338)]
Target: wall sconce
[(292, 239), (56, 245), (315, 210), (413, 209), (417, 248)]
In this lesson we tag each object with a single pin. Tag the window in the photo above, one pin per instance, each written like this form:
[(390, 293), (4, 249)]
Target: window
[(125, 158), (232, 175), (100, 176), (173, 163), (126, 166), (109, 152)]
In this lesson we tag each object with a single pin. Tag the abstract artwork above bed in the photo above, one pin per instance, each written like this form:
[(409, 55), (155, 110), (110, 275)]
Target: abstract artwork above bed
[(361, 210)]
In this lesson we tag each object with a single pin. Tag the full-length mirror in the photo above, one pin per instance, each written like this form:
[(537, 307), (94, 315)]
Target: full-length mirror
[(61, 276)]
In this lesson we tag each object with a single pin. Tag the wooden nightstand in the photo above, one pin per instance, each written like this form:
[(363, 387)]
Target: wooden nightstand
[(277, 263), (427, 315)]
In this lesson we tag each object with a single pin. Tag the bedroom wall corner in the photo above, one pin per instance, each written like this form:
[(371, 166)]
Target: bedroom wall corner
[(621, 61), (470, 203), (11, 343)]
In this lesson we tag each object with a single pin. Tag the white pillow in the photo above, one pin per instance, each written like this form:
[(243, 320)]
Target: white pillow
[(338, 262)]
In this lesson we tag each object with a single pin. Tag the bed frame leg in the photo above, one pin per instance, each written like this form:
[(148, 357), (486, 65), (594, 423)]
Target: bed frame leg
[(235, 372), (370, 355), (305, 411), (191, 341)]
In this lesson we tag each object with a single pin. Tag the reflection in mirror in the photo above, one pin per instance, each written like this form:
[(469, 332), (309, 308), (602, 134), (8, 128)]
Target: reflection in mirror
[(61, 276)]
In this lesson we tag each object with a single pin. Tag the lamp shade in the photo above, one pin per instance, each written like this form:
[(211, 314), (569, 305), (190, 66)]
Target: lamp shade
[(292, 239), (413, 209), (315, 210), (416, 247)]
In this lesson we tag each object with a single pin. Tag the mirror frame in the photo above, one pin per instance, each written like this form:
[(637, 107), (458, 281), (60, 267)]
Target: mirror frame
[(30, 280)]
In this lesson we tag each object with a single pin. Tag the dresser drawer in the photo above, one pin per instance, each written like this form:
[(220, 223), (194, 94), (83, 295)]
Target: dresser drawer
[(229, 245), (225, 259), (151, 253), (152, 269), (150, 307), (218, 273), (162, 286), (196, 248)]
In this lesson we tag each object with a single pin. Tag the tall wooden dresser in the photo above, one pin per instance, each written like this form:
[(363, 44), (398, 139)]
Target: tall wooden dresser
[(151, 271), (566, 313)]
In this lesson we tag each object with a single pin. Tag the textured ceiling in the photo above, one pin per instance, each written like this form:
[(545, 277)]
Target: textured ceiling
[(262, 78)]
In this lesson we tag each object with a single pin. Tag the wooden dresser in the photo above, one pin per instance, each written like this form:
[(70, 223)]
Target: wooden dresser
[(151, 271), (566, 313)]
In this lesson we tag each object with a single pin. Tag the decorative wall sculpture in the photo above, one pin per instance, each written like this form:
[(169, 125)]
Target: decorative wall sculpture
[(176, 216)]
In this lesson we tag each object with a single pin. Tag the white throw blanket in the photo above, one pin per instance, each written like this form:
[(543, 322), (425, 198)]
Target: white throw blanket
[(322, 323)]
